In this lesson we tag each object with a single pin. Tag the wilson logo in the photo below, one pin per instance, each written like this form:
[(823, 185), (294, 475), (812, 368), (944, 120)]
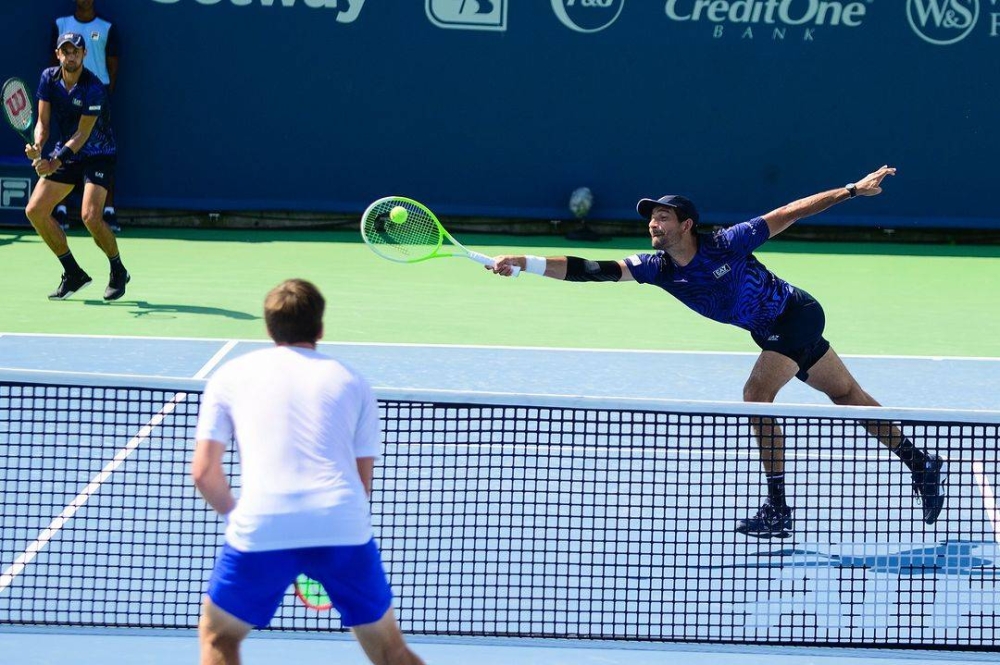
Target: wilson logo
[(17, 102), (942, 22)]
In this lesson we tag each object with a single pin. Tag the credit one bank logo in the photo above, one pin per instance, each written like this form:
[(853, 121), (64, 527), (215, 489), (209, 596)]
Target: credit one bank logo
[(942, 22), (587, 15), (772, 16), (347, 10)]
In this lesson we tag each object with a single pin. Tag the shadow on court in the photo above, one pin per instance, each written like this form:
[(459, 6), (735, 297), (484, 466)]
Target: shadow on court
[(10, 240), (144, 308)]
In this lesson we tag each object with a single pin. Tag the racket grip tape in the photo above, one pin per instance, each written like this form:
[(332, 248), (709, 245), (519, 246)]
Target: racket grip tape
[(488, 261)]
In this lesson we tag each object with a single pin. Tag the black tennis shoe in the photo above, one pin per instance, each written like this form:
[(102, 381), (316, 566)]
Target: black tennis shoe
[(770, 522), (928, 484), (116, 285), (70, 284)]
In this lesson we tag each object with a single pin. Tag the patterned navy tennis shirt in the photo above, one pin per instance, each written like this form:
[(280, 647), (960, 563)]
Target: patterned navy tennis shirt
[(88, 97), (724, 281)]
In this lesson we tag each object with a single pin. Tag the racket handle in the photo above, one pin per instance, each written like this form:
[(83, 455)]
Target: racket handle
[(488, 261)]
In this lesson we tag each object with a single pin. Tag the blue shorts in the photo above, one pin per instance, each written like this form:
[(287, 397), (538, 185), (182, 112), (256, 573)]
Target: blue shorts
[(251, 585)]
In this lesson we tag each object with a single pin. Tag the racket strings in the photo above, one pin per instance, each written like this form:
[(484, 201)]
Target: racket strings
[(17, 105), (417, 237), (312, 593)]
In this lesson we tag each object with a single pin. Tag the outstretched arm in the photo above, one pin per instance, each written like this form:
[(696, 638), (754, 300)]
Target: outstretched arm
[(780, 219), (569, 268)]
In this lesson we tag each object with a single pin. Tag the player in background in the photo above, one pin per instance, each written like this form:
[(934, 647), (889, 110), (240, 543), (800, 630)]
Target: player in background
[(72, 104), (103, 52)]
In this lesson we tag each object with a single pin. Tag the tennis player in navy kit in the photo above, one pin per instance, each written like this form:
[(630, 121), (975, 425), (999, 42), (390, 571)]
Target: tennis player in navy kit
[(73, 101), (718, 276)]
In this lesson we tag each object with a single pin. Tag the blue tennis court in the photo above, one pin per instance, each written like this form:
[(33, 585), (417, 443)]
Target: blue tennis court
[(473, 491), (915, 382)]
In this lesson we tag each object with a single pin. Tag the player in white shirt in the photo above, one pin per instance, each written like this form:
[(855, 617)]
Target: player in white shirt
[(308, 433)]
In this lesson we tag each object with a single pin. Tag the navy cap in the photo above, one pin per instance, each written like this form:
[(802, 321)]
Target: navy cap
[(685, 209), (74, 38)]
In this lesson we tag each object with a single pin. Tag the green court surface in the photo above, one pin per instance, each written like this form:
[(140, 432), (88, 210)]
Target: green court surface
[(882, 299)]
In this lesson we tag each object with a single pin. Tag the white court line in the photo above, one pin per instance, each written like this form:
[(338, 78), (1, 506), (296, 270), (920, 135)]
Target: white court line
[(49, 532), (669, 352), (989, 498)]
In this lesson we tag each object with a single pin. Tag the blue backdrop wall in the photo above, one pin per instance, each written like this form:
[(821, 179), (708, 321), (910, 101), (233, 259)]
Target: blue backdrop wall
[(503, 107)]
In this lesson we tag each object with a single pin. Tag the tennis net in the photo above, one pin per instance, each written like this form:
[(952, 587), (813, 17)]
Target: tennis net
[(513, 515)]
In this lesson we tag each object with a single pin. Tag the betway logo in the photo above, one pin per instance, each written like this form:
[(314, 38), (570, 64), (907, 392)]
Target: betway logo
[(773, 12), (347, 10)]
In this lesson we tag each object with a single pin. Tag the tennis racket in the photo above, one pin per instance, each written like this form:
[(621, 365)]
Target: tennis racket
[(19, 108), (402, 230), (312, 594)]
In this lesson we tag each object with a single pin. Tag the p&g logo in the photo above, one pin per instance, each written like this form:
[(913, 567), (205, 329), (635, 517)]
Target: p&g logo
[(587, 15), (942, 22)]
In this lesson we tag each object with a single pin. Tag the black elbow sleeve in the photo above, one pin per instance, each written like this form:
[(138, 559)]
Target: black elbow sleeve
[(583, 270)]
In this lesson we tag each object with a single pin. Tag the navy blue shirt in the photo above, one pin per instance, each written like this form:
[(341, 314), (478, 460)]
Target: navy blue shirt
[(88, 97), (724, 281)]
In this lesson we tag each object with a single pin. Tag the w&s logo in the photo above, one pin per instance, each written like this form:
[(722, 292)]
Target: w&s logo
[(587, 15), (942, 22), (468, 14)]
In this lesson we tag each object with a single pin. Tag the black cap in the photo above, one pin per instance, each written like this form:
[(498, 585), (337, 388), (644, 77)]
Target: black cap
[(685, 209), (74, 38)]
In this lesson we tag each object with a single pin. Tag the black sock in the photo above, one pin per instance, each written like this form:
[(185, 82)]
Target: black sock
[(912, 456), (776, 489), (69, 264), (116, 264)]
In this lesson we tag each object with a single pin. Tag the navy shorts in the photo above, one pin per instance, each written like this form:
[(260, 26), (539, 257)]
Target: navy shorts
[(97, 170), (251, 585), (798, 332)]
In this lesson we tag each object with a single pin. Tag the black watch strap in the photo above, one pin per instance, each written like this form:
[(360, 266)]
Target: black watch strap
[(852, 189)]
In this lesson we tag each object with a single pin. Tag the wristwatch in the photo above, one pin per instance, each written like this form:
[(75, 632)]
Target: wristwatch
[(852, 189)]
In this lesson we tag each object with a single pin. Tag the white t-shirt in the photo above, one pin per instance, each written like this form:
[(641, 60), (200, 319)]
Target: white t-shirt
[(301, 419)]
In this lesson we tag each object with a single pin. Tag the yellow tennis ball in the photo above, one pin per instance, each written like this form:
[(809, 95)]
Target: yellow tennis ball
[(398, 214)]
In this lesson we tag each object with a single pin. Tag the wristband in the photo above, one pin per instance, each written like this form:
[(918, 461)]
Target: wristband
[(535, 264), (64, 154)]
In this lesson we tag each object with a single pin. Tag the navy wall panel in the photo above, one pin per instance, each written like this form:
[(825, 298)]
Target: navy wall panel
[(503, 107)]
